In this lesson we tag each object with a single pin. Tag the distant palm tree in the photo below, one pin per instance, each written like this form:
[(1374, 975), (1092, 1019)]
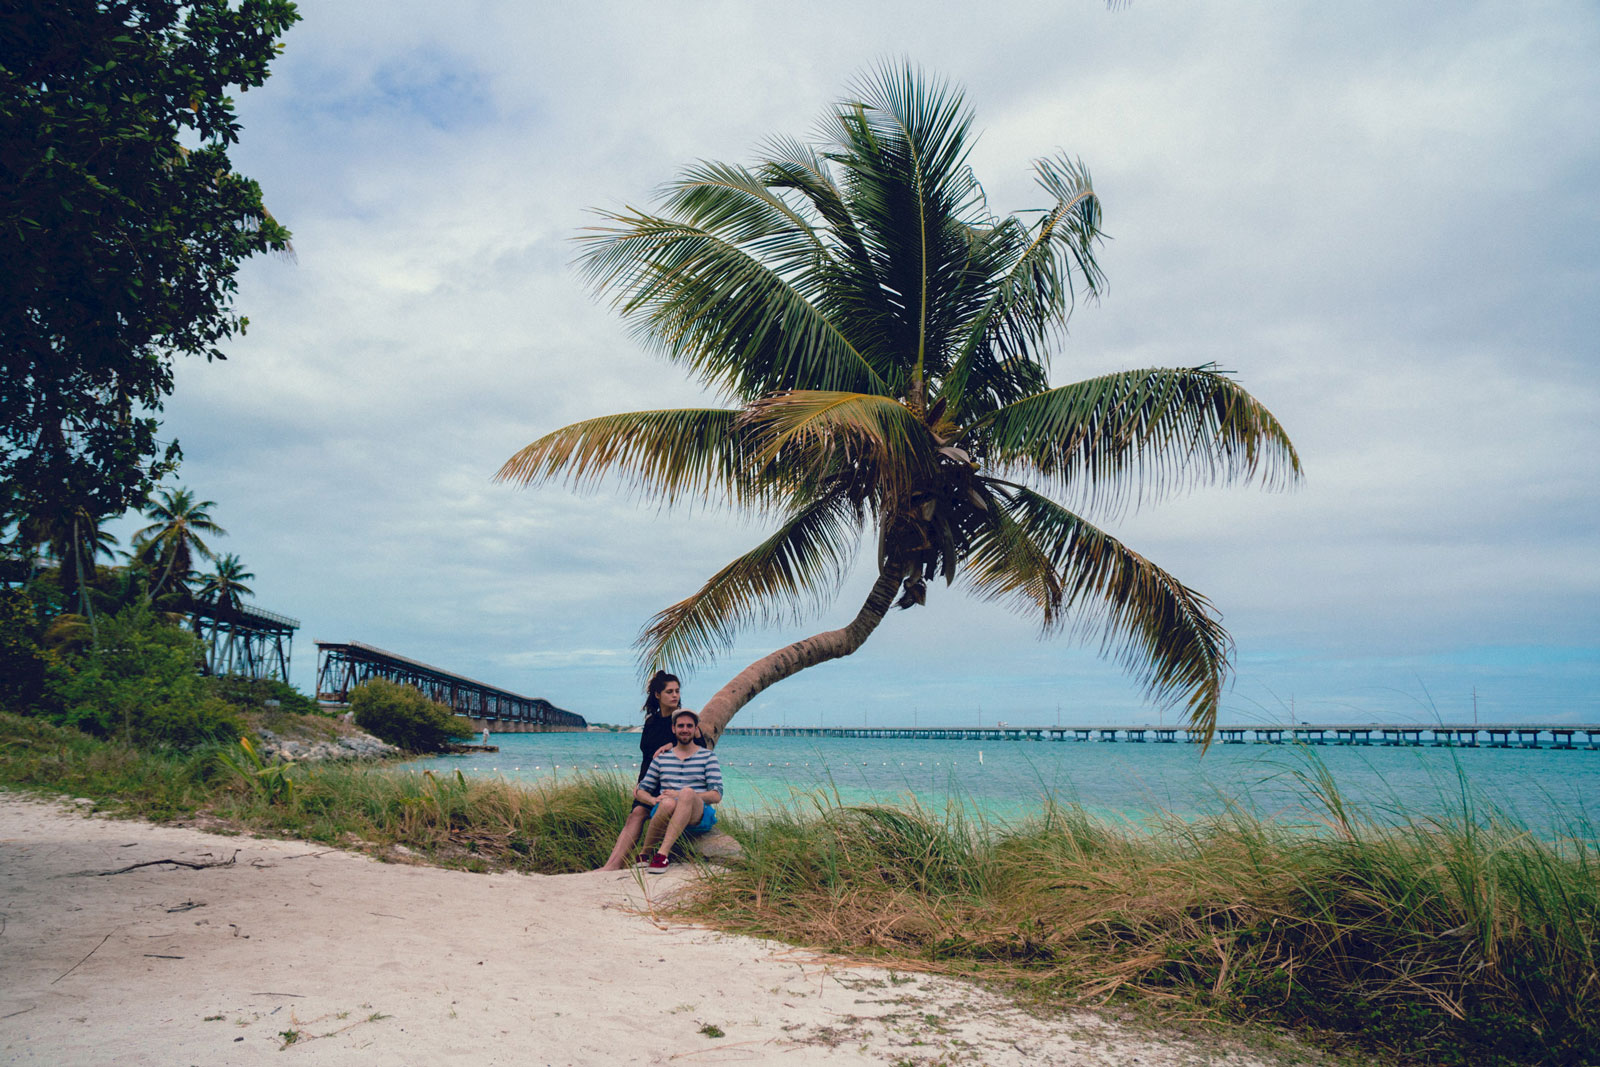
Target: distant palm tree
[(885, 341), (224, 586), (224, 589), (170, 543)]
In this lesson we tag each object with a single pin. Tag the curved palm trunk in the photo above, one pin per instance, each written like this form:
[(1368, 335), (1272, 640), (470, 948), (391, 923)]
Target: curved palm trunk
[(792, 659)]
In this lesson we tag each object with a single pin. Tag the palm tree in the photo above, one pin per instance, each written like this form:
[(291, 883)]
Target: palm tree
[(76, 541), (172, 540), (884, 341), (224, 589)]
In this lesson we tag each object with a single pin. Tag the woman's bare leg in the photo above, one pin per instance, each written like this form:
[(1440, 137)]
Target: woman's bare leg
[(625, 839)]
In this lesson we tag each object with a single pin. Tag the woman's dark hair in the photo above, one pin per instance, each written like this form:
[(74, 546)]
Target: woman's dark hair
[(652, 698)]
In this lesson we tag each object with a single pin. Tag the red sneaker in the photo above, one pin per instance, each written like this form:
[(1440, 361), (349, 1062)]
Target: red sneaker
[(658, 864), (644, 859)]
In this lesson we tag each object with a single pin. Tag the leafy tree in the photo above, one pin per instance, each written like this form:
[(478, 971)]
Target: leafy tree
[(885, 341), (24, 662), (403, 716), (74, 537), (170, 543), (252, 694), (140, 683), (122, 225)]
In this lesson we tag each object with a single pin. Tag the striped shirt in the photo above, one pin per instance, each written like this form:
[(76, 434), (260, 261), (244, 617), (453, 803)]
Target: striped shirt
[(700, 772)]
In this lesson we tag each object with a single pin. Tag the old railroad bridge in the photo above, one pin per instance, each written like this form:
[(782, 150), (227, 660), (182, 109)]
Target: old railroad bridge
[(341, 666)]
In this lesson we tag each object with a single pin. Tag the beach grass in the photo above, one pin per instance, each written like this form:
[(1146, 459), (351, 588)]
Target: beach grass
[(451, 820), (1455, 939), (1462, 939)]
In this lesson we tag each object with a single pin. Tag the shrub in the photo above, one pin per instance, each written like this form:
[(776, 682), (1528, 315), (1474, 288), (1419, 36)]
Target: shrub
[(252, 694), (402, 716), (24, 665), (140, 683)]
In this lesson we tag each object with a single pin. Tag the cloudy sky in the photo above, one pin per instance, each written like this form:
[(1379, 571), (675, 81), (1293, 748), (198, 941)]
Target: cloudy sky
[(1382, 216)]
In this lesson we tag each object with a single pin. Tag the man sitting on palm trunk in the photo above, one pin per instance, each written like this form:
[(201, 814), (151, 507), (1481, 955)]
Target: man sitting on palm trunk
[(682, 783)]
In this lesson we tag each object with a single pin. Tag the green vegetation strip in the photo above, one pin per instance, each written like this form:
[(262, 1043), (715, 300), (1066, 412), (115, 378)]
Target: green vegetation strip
[(1445, 940)]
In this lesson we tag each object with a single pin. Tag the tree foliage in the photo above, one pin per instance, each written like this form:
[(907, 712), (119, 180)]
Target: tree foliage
[(404, 717), (224, 587), (886, 341), (122, 226), (142, 683), (25, 664), (169, 545)]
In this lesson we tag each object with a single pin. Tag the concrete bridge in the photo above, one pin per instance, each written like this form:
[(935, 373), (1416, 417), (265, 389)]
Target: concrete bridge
[(1457, 735)]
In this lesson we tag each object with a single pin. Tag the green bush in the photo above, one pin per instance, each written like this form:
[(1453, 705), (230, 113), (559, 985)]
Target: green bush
[(402, 716), (252, 694), (139, 683), (24, 664)]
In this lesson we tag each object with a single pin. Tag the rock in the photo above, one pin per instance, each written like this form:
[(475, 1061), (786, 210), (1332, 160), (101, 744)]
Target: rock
[(718, 846), (275, 749)]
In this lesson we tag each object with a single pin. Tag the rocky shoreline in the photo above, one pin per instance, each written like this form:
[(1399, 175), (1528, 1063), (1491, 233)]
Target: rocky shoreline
[(354, 746)]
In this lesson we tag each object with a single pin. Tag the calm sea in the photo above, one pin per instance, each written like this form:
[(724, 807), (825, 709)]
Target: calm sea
[(1548, 790)]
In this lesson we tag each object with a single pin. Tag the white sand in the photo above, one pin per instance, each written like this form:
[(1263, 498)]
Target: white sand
[(378, 963)]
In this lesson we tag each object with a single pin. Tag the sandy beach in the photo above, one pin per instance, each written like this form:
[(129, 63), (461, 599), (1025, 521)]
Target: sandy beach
[(291, 952)]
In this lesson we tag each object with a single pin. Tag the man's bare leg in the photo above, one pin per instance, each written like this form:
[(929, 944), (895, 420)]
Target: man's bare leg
[(688, 810), (659, 823)]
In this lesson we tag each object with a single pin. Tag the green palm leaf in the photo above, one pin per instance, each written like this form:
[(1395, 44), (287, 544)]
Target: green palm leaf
[(792, 165), (1140, 434), (791, 573), (903, 145), (669, 453), (1164, 633), (1006, 564), (1031, 294), (736, 320), (734, 203)]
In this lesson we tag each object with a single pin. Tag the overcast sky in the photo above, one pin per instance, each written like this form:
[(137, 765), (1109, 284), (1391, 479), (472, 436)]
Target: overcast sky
[(1383, 217)]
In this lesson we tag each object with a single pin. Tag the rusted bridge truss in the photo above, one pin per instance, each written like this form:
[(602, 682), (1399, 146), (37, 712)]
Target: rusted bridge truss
[(341, 666), (245, 640)]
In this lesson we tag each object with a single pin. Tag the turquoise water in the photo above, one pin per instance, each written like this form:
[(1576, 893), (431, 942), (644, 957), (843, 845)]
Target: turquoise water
[(1548, 790)]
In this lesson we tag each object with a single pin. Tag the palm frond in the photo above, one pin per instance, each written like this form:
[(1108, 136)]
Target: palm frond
[(1162, 632), (739, 322), (668, 453), (793, 165), (1031, 301), (818, 435), (1074, 223), (796, 570), (737, 205), (903, 146), (1139, 435), (1006, 564)]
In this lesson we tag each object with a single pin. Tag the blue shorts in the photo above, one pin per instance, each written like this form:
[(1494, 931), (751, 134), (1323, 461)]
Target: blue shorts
[(708, 819)]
